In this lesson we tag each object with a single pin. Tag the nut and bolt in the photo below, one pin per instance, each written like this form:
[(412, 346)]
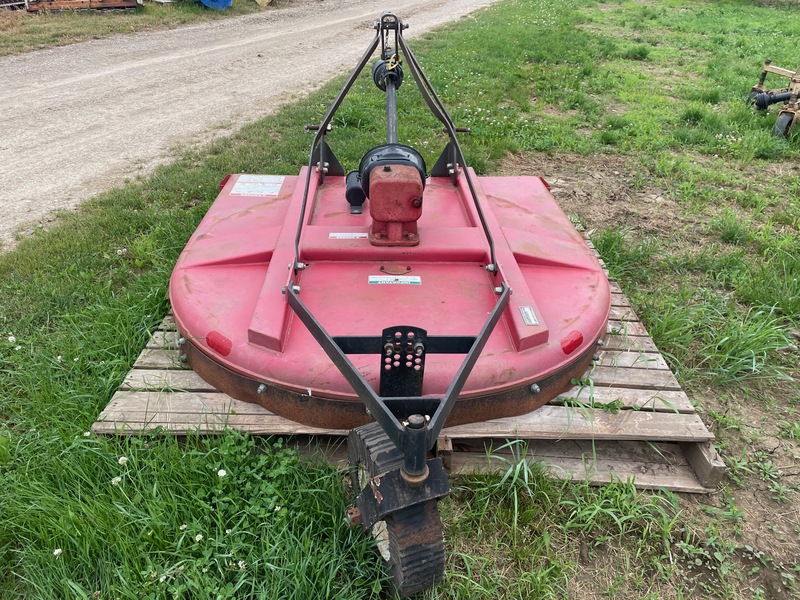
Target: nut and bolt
[(601, 343), (491, 268), (300, 266), (498, 290), (184, 358), (535, 389), (182, 341), (261, 389), (416, 422), (296, 289)]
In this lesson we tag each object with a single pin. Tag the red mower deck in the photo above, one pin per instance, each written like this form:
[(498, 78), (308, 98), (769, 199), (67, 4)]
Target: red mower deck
[(240, 333)]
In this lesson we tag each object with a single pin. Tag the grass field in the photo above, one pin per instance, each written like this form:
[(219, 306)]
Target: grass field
[(634, 111)]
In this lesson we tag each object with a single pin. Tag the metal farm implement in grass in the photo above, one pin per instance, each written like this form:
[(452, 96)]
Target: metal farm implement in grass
[(388, 301), (762, 98)]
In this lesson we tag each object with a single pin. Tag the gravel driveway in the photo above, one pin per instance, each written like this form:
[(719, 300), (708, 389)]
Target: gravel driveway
[(79, 119)]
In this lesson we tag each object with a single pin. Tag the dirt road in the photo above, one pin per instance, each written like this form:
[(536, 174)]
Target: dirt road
[(80, 119)]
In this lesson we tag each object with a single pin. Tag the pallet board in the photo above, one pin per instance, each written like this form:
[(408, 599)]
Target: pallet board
[(629, 421)]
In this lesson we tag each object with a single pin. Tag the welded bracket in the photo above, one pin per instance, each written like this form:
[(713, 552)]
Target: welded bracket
[(389, 492), (410, 436)]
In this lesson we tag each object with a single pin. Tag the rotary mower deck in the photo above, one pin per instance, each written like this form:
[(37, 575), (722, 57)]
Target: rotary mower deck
[(390, 302)]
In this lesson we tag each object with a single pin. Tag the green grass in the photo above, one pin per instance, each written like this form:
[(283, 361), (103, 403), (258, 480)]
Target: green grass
[(717, 286)]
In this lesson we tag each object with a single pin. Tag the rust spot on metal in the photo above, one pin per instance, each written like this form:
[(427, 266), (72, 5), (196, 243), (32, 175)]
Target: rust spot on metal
[(375, 483)]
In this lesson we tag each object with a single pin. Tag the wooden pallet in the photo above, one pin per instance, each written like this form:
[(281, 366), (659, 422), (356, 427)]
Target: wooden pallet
[(632, 423)]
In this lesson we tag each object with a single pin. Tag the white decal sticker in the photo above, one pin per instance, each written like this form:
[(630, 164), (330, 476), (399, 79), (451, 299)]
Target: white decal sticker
[(257, 185), (528, 315), (395, 279), (348, 236)]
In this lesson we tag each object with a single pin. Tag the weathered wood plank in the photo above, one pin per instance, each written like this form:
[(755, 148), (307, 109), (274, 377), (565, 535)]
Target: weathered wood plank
[(626, 328), (555, 422), (159, 358), (666, 453), (622, 313), (630, 343), (163, 339), (168, 324), (619, 299), (166, 379), (200, 409), (182, 412), (633, 378), (631, 360), (706, 463), (601, 471), (625, 399)]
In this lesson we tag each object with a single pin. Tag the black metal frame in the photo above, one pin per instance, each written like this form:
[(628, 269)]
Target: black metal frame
[(412, 421), (449, 163), (393, 413)]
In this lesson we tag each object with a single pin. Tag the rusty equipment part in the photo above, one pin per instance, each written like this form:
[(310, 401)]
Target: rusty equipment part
[(408, 536), (762, 98)]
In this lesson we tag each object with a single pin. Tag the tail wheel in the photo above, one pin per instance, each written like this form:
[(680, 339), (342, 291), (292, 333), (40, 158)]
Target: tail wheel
[(411, 540), (783, 124)]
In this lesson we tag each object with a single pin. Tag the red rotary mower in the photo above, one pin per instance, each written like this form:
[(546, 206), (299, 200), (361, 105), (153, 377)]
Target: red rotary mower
[(390, 302)]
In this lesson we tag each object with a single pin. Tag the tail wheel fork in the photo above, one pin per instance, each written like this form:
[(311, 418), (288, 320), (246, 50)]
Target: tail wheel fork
[(410, 539)]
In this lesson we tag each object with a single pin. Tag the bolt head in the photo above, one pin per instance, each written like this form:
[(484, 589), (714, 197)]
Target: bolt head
[(416, 422)]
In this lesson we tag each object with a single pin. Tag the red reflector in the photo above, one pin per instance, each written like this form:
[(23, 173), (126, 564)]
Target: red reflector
[(217, 341), (228, 176), (547, 185), (570, 343)]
